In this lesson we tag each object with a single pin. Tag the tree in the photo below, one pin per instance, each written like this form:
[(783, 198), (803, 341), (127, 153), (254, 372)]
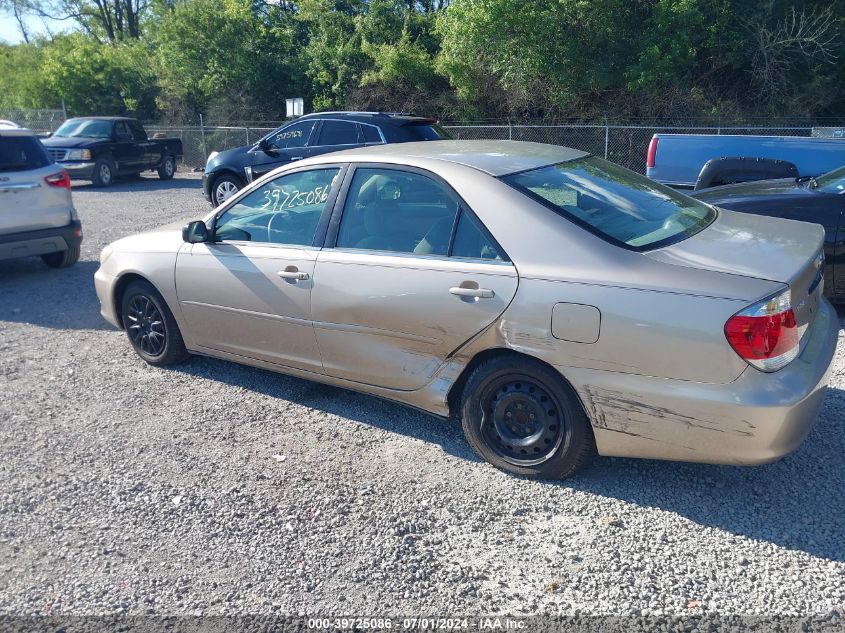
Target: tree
[(109, 20)]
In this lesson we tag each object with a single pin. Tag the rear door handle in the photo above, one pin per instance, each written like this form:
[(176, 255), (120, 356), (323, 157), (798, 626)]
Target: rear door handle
[(480, 293), (293, 274), (296, 157)]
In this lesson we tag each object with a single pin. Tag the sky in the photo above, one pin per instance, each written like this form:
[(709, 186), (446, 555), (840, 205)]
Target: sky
[(10, 33)]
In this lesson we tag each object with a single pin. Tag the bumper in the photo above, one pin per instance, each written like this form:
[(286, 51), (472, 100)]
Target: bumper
[(40, 242), (104, 286), (206, 189), (756, 419), (79, 170)]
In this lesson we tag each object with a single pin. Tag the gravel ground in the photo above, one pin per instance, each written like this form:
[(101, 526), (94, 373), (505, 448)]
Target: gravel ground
[(214, 488)]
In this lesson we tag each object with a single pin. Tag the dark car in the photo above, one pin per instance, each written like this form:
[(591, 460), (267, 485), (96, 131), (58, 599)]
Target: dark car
[(820, 200), (100, 148), (228, 171)]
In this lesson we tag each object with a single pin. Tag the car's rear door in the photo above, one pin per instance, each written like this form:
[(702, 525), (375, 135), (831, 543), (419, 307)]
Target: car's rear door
[(27, 201), (129, 155), (407, 276), (248, 293), (334, 135)]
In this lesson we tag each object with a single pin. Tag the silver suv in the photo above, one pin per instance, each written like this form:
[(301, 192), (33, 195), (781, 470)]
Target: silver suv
[(37, 216)]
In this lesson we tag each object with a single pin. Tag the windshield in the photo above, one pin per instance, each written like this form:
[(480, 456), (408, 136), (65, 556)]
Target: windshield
[(88, 128), (428, 131), (832, 181), (617, 204), (19, 153)]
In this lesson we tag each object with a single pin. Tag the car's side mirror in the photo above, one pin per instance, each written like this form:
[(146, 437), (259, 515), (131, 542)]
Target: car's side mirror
[(195, 232), (264, 145)]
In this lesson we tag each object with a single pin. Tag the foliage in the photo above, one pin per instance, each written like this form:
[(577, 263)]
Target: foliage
[(240, 59)]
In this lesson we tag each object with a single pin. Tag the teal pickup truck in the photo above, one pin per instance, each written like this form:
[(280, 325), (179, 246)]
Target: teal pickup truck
[(698, 161)]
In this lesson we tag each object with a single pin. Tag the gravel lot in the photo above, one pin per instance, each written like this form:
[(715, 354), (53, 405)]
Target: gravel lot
[(214, 488)]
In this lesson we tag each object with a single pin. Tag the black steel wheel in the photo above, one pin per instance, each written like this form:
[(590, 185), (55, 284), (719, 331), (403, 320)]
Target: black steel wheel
[(523, 417), (150, 325)]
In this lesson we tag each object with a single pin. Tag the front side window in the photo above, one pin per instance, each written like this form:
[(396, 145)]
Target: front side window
[(285, 210), (338, 133), (397, 211), (294, 135), (617, 204)]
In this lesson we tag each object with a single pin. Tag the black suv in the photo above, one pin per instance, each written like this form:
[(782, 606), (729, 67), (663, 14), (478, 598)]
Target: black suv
[(319, 133)]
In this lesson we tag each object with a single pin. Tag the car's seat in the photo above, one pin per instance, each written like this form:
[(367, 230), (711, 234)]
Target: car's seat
[(382, 220)]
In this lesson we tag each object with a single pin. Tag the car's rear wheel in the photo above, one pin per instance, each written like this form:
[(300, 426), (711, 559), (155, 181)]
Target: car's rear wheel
[(103, 173), (167, 169), (523, 417), (150, 325), (225, 187), (62, 259)]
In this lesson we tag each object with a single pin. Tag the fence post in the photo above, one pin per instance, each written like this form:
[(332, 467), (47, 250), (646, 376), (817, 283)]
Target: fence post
[(64, 109), (247, 136), (202, 136), (510, 130), (606, 138)]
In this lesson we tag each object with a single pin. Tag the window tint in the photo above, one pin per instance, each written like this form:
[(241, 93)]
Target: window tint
[(283, 211), (338, 133), (371, 133), (121, 131), (19, 153), (614, 202), (294, 135), (137, 131), (471, 242), (427, 132), (391, 210)]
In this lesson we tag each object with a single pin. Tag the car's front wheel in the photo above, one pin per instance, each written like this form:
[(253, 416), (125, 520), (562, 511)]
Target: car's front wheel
[(103, 173), (225, 187), (150, 325), (523, 417)]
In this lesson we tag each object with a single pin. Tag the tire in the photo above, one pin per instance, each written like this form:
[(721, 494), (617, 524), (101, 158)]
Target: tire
[(221, 189), (167, 169), (524, 418), (62, 259), (150, 326), (103, 173)]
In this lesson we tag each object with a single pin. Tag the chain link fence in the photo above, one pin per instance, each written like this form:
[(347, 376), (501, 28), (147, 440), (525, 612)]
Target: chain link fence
[(623, 144), (39, 121)]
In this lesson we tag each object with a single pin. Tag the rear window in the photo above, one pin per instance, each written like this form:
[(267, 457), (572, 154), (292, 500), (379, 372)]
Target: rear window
[(618, 205), (20, 153), (427, 131)]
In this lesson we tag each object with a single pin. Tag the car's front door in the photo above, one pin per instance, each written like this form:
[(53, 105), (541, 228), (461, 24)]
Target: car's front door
[(129, 155), (408, 276), (249, 292), (285, 145)]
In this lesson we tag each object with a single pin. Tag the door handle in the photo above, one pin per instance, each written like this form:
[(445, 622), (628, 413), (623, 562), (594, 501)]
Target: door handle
[(296, 157), (293, 274), (480, 293)]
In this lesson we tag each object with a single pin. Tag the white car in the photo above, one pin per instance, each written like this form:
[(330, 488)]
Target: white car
[(37, 216)]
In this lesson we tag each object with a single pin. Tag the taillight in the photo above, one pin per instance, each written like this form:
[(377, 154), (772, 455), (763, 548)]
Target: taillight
[(61, 179), (766, 334), (652, 152)]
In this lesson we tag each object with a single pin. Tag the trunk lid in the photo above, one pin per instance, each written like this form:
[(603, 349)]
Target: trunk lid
[(760, 247)]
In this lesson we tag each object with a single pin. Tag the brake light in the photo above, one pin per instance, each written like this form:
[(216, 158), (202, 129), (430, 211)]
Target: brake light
[(61, 179), (652, 151), (766, 334)]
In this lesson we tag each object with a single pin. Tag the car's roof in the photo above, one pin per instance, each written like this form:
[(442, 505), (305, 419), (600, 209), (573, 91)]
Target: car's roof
[(497, 158), (14, 130), (369, 117), (104, 118)]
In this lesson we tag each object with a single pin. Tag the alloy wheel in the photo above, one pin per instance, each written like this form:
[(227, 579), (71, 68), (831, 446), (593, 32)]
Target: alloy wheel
[(146, 326)]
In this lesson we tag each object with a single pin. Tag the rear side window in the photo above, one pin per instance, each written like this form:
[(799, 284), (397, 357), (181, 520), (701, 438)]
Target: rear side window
[(619, 205), (338, 133), (427, 132), (20, 153), (370, 133)]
